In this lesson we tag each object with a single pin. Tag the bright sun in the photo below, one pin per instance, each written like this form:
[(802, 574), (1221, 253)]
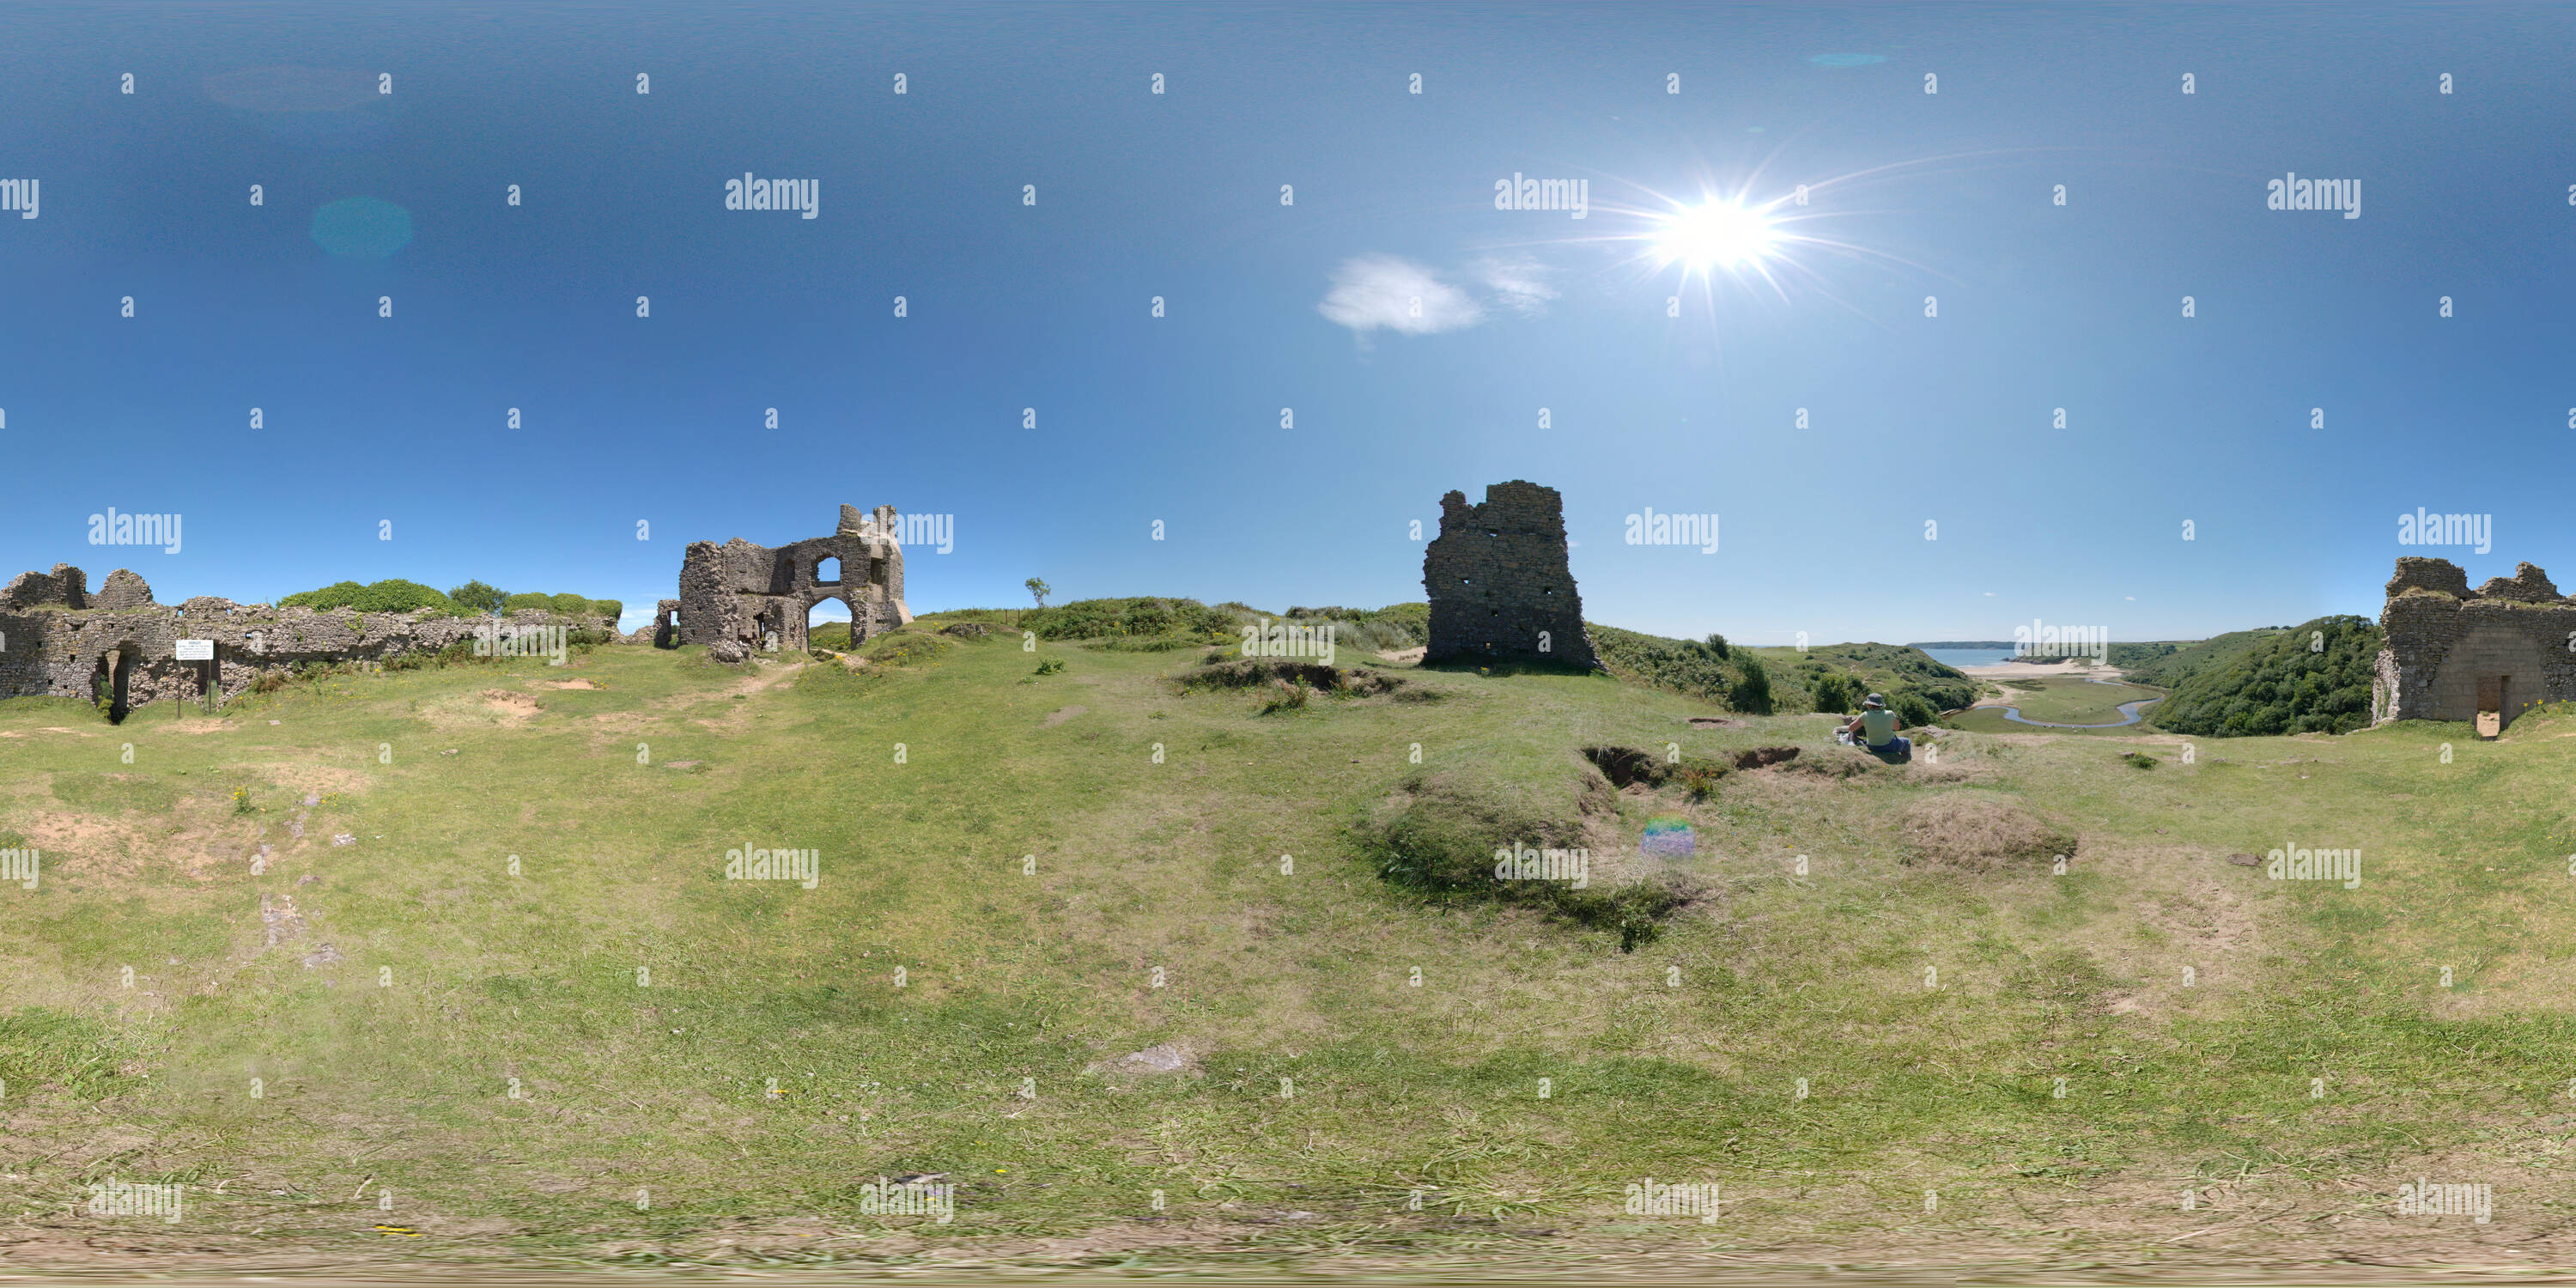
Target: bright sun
[(1721, 234)]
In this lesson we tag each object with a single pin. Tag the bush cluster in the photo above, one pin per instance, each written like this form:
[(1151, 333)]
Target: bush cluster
[(1127, 618), (2314, 679), (1441, 841), (392, 595), (395, 595)]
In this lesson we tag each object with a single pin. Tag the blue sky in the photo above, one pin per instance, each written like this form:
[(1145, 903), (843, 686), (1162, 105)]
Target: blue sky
[(368, 420)]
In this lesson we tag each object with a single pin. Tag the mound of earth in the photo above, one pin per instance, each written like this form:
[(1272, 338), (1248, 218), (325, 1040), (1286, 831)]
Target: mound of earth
[(1971, 831), (1251, 672)]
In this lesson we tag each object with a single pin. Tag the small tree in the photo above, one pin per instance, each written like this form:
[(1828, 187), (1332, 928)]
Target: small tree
[(475, 597), (1915, 710), (1833, 693), (1752, 693), (1040, 590), (1715, 644)]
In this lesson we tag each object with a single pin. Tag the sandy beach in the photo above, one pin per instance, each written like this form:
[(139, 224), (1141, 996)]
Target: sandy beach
[(1998, 671)]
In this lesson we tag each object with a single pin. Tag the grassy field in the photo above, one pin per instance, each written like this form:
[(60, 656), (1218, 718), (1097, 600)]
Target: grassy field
[(2055, 699), (522, 998)]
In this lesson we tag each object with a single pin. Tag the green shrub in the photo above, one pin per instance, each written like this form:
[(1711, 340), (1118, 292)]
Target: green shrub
[(1832, 691), (475, 597), (1752, 693), (562, 605), (339, 594), (1116, 618), (1913, 708), (1679, 665), (395, 595), (1288, 697), (392, 595), (1439, 839), (1051, 666), (906, 648), (2314, 679)]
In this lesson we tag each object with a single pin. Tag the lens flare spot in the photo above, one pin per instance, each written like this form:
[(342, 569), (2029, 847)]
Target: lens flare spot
[(1669, 836), (362, 228)]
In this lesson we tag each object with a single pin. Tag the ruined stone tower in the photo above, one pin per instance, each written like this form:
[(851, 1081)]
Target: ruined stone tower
[(2487, 655), (1498, 581), (739, 598)]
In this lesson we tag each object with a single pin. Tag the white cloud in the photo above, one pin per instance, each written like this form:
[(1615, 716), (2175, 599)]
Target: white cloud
[(1518, 284), (1373, 291)]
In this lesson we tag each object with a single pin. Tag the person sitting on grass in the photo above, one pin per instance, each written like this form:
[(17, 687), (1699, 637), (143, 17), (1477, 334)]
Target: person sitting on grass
[(1874, 730)]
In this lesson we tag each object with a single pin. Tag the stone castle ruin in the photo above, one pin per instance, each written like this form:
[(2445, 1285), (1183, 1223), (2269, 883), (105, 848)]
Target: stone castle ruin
[(2484, 655), (1498, 581), (59, 640), (739, 598)]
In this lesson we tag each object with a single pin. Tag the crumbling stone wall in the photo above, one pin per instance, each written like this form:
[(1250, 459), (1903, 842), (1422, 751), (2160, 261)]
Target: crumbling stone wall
[(57, 641), (739, 598), (63, 588), (1498, 581), (2443, 638)]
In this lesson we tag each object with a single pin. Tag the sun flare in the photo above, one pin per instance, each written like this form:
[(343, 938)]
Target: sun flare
[(1721, 234)]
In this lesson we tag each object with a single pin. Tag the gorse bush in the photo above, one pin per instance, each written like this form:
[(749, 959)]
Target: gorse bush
[(392, 595), (1832, 691), (1115, 618), (906, 648), (566, 605), (1913, 709), (395, 595), (1684, 666)]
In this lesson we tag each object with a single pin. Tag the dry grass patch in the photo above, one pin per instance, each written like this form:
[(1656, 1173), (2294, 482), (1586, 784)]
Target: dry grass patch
[(1975, 831)]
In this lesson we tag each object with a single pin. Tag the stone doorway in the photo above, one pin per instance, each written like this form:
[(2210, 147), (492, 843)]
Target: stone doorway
[(112, 681)]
